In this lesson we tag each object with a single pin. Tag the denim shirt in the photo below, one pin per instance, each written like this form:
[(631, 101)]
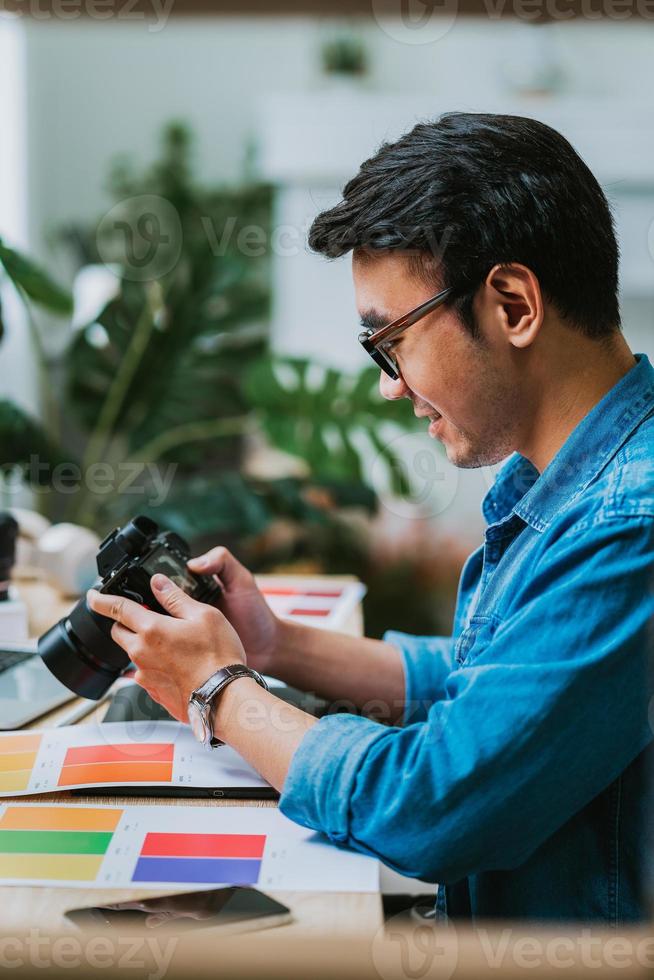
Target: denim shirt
[(517, 781)]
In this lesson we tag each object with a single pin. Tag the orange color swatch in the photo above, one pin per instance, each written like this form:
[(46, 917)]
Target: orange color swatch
[(60, 818)]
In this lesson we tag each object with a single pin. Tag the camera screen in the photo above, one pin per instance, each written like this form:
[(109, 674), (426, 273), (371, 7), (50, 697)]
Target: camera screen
[(161, 560)]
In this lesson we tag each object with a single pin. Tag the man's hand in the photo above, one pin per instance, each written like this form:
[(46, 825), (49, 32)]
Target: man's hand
[(244, 606), (175, 654), (368, 673)]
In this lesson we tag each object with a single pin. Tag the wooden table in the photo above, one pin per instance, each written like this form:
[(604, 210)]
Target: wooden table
[(313, 912)]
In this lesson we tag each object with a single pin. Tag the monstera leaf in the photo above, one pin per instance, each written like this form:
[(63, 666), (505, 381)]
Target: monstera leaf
[(34, 282), (330, 419), (191, 353)]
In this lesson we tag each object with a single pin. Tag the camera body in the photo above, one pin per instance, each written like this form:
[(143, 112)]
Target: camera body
[(79, 649)]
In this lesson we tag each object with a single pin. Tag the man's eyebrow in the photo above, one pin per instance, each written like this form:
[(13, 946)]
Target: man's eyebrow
[(372, 320)]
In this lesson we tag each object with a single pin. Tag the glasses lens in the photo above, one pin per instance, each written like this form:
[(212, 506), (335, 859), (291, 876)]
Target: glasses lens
[(385, 362), (381, 358)]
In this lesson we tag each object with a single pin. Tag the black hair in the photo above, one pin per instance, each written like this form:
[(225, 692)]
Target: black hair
[(469, 191)]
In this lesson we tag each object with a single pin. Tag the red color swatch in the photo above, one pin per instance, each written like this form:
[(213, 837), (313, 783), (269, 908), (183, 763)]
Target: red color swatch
[(130, 752), (204, 845)]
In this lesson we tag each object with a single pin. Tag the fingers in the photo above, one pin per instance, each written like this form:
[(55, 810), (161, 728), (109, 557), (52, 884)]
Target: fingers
[(124, 638), (122, 610), (221, 562), (174, 600)]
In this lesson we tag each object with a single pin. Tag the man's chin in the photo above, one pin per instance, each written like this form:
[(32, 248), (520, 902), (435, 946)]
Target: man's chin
[(462, 461), (466, 457)]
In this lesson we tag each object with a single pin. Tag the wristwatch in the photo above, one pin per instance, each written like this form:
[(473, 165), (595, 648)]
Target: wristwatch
[(202, 702)]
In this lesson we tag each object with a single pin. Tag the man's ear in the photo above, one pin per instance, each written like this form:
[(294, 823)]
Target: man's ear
[(513, 300)]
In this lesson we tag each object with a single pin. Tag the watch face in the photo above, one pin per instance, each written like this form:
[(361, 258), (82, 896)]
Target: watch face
[(196, 722)]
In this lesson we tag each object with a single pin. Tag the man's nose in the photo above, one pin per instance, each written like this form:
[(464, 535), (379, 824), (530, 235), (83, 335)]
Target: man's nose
[(391, 389)]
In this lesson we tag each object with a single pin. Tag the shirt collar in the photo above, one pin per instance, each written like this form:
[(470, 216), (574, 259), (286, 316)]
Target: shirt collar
[(598, 437)]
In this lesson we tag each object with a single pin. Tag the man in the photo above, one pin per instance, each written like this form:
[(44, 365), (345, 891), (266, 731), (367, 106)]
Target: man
[(513, 771)]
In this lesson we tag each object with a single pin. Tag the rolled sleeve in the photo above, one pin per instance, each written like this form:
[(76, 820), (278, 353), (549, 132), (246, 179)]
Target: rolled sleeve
[(427, 662), (323, 771)]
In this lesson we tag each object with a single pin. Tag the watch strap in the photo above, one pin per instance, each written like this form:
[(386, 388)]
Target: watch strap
[(217, 683)]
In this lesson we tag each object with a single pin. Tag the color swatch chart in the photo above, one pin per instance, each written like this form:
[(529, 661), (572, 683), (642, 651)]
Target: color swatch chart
[(118, 847), (55, 843), (124, 763), (319, 602), (117, 754), (201, 858), (18, 755)]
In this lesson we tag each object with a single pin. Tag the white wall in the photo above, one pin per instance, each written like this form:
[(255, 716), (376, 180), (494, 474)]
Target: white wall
[(101, 89)]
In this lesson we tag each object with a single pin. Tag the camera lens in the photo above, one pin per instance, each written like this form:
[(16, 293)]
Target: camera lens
[(8, 535), (79, 650)]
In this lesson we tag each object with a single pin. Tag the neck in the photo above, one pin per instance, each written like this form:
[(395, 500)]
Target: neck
[(570, 392)]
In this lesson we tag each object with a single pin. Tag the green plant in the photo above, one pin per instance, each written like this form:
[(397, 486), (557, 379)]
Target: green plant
[(344, 55), (315, 413), (156, 378), (21, 436), (173, 372)]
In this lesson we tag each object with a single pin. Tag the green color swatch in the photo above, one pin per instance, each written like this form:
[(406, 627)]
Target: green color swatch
[(53, 842)]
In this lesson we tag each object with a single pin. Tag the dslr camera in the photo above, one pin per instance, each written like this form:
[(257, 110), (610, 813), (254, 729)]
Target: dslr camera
[(79, 650)]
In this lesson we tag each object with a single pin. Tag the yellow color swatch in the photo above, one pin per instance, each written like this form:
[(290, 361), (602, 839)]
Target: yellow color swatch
[(16, 760), (17, 757), (51, 867), (15, 782), (59, 818)]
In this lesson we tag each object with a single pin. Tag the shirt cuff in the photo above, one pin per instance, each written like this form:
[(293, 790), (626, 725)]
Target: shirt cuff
[(427, 662), (323, 771)]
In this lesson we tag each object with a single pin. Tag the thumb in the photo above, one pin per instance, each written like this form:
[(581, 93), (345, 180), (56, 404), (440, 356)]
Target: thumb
[(174, 600)]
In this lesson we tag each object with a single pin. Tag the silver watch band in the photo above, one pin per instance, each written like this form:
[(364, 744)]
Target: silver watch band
[(212, 688)]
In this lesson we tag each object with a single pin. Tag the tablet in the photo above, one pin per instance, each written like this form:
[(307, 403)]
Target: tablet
[(27, 688)]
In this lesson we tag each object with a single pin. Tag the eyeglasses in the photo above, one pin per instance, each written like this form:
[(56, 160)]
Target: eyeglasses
[(375, 342)]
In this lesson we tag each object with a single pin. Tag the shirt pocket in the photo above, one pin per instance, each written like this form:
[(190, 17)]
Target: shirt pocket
[(474, 639)]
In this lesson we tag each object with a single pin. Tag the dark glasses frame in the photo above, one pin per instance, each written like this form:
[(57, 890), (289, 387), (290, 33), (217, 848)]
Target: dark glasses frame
[(372, 340)]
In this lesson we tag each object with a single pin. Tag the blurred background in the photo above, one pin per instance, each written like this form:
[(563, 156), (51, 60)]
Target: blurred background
[(169, 344)]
